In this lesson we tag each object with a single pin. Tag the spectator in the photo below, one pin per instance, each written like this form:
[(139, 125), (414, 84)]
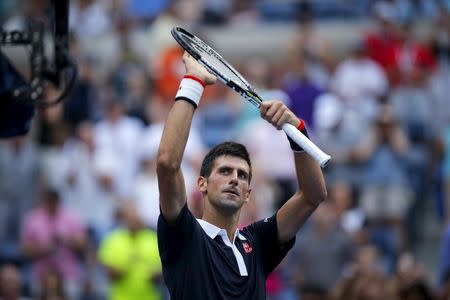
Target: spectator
[(52, 237), (83, 104), (415, 59), (83, 183), (359, 81), (19, 167), (409, 280), (136, 92), (52, 286), (89, 18), (395, 47), (316, 263), (115, 139), (11, 286), (349, 215), (302, 91), (385, 195), (384, 42), (130, 255), (315, 47), (339, 129), (418, 110)]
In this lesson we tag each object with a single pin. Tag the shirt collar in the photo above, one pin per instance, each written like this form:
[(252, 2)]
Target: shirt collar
[(212, 231)]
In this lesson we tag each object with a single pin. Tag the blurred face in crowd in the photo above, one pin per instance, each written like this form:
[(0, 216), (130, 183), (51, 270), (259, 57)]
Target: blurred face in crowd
[(372, 288), (341, 196), (37, 8), (114, 110), (52, 286), (130, 216), (10, 283), (50, 200), (366, 258), (136, 82), (227, 188), (86, 133)]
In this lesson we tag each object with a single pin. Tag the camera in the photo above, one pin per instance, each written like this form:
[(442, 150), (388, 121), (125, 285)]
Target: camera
[(19, 97)]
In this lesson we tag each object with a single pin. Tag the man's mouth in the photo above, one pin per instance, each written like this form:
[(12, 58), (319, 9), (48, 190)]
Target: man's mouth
[(231, 191)]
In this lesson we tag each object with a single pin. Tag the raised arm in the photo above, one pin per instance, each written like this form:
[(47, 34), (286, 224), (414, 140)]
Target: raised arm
[(172, 191), (311, 185)]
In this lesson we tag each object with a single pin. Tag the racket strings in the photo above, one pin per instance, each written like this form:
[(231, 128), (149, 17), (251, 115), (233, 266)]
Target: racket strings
[(211, 58)]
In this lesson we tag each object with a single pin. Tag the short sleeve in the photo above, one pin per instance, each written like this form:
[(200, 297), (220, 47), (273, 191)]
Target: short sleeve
[(265, 232), (173, 238)]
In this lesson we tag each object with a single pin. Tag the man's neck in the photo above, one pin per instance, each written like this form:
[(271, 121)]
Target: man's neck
[(227, 222)]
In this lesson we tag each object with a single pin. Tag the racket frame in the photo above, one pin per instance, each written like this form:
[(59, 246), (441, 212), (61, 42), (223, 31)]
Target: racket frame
[(248, 92)]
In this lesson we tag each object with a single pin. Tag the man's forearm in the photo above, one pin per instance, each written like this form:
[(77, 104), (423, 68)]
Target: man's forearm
[(176, 133), (312, 191), (310, 179)]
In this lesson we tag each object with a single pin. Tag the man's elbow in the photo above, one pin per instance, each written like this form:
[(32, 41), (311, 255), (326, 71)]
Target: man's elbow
[(166, 164), (317, 197), (322, 194)]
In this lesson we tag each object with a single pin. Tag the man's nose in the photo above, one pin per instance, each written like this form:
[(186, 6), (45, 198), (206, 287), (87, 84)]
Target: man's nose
[(234, 177)]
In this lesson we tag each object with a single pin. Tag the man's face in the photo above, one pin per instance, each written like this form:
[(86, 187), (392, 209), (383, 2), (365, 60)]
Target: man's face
[(227, 188)]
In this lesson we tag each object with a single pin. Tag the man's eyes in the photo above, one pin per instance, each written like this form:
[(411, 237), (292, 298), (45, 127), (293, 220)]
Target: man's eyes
[(227, 171), (242, 175)]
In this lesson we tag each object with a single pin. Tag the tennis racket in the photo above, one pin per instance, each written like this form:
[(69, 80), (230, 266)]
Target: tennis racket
[(217, 66)]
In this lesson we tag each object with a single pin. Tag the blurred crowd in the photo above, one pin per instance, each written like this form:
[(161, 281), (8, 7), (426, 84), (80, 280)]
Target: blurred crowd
[(79, 195)]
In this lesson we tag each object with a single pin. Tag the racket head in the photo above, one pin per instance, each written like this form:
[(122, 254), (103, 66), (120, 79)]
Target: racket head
[(215, 64)]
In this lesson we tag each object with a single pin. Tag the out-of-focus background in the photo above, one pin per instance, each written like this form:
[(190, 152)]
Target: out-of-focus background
[(79, 196)]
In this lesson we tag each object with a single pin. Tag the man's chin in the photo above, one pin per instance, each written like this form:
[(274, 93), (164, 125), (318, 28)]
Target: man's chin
[(229, 206)]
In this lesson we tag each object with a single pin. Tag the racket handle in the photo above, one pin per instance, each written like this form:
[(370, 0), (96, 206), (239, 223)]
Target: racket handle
[(321, 157)]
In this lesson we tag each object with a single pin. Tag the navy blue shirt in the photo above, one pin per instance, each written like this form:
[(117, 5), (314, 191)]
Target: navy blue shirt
[(196, 266)]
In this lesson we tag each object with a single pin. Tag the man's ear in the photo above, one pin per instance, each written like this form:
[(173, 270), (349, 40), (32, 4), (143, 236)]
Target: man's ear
[(202, 183), (247, 196)]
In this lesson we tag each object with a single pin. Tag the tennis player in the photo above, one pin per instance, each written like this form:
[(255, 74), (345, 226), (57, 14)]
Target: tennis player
[(210, 258)]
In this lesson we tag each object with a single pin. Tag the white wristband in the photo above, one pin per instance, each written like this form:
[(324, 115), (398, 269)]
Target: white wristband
[(191, 90)]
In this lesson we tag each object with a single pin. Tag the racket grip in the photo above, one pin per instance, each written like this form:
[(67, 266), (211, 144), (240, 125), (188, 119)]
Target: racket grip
[(321, 157)]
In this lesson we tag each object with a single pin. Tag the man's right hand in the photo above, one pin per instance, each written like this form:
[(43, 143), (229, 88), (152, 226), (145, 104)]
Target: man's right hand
[(195, 69)]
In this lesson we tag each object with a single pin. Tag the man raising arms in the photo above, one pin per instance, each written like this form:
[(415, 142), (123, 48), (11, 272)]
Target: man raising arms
[(210, 258)]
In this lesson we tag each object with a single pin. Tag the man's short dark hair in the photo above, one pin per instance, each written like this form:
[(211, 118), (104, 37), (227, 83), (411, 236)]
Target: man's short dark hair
[(225, 149)]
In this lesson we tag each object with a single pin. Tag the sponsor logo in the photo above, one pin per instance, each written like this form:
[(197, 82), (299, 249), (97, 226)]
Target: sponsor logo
[(247, 247)]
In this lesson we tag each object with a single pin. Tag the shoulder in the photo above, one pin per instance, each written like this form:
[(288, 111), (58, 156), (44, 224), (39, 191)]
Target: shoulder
[(260, 226)]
